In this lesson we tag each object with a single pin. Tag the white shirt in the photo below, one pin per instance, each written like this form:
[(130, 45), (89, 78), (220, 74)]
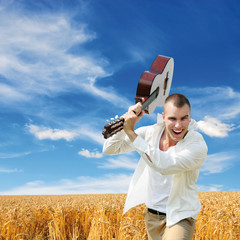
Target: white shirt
[(159, 185), (183, 165)]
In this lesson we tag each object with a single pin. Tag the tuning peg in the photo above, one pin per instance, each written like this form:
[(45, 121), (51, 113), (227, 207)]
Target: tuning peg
[(113, 120)]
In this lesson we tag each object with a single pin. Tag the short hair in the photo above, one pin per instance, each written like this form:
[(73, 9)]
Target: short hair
[(178, 100)]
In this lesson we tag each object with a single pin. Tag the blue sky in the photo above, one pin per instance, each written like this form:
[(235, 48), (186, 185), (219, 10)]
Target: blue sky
[(67, 66)]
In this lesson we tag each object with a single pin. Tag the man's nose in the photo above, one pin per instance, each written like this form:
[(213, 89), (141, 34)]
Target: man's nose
[(178, 124)]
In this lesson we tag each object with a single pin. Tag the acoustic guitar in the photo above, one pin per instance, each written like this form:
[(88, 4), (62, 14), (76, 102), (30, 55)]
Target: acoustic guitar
[(153, 88)]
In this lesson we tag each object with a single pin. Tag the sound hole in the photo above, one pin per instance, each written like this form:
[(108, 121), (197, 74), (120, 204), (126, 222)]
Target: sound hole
[(165, 84)]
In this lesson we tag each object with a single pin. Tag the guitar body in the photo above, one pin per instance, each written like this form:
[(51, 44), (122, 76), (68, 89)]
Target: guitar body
[(159, 76), (153, 88)]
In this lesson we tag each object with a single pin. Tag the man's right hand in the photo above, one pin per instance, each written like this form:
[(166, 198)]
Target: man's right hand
[(133, 115)]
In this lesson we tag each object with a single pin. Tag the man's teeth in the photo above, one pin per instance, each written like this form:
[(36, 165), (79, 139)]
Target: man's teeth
[(177, 132)]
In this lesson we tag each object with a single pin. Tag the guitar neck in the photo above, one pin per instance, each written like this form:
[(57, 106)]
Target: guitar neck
[(150, 99)]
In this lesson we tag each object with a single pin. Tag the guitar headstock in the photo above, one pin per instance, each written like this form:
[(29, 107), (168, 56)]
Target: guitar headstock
[(113, 126)]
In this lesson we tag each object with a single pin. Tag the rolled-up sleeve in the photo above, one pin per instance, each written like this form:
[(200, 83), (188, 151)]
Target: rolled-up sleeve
[(118, 143)]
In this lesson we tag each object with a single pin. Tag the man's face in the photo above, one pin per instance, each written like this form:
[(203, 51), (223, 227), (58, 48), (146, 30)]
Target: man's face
[(176, 121)]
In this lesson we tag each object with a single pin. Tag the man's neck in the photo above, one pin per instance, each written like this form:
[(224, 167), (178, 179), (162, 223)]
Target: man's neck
[(165, 142)]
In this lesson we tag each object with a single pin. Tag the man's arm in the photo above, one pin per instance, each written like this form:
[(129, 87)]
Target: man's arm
[(121, 142), (190, 157), (133, 115)]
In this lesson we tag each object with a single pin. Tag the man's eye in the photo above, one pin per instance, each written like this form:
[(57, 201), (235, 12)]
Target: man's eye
[(184, 118)]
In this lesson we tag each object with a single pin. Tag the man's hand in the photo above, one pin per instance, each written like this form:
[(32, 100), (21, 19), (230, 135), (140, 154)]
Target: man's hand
[(133, 115)]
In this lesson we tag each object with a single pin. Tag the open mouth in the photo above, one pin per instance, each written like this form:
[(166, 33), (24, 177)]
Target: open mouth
[(177, 132)]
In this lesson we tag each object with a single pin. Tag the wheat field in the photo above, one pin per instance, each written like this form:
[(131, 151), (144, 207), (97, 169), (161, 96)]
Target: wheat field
[(99, 217)]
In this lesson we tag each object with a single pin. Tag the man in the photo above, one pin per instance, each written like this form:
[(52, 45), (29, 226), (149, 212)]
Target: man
[(171, 155)]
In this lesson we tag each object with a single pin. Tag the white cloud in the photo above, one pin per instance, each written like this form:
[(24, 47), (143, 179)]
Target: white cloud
[(10, 93), (8, 170), (13, 155), (217, 163), (36, 57), (222, 103), (48, 133), (90, 133), (214, 127), (82, 185), (120, 162), (86, 153), (210, 188), (108, 95), (85, 132)]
